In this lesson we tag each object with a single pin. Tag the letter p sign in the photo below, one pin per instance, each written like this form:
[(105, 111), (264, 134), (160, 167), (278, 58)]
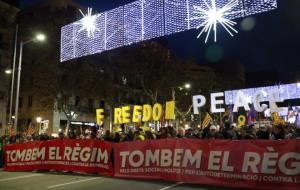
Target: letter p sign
[(198, 102)]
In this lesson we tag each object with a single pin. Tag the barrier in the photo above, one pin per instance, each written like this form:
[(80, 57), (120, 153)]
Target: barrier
[(243, 164), (88, 156)]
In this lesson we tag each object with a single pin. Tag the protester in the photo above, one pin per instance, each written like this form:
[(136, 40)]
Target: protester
[(278, 133), (117, 137), (229, 131), (263, 133), (61, 135), (164, 133), (212, 132), (1, 152), (149, 135), (181, 132), (297, 133), (172, 132), (107, 136)]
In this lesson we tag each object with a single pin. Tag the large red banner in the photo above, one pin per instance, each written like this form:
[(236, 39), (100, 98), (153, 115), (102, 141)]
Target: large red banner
[(248, 164), (88, 156)]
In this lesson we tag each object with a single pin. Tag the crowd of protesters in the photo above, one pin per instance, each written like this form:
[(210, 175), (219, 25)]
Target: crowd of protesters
[(279, 132), (250, 132), (210, 132)]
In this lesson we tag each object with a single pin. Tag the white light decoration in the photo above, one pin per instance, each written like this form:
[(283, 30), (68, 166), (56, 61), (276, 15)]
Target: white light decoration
[(133, 22), (214, 15), (287, 92), (176, 13), (114, 28), (148, 19), (88, 22), (98, 41), (67, 42), (258, 6), (154, 19)]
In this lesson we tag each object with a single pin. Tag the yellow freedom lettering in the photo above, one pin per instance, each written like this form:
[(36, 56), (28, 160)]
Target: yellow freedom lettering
[(137, 113), (125, 114), (170, 110), (147, 113), (118, 115), (99, 116), (157, 112)]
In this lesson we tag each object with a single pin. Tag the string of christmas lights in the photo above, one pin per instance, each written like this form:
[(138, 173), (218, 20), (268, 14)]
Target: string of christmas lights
[(287, 92), (148, 19)]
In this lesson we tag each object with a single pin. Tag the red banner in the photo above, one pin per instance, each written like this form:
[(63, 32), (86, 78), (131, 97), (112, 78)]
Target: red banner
[(242, 164), (88, 156)]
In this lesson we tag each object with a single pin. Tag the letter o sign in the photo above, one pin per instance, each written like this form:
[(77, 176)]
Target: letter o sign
[(157, 112), (140, 161)]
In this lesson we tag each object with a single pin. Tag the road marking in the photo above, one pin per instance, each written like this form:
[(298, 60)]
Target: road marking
[(80, 181), (20, 177), (171, 186)]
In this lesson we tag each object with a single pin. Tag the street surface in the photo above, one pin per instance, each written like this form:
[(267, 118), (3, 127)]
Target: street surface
[(71, 181)]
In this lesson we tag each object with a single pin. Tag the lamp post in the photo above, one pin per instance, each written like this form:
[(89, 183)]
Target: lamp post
[(38, 38), (185, 86), (13, 78)]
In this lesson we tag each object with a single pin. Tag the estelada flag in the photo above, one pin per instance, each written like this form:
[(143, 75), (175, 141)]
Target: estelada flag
[(206, 120)]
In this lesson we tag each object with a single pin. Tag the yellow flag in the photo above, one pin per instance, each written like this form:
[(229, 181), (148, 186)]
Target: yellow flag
[(277, 120)]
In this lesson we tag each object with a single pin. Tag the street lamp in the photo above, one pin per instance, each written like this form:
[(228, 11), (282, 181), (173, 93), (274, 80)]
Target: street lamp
[(38, 38), (8, 71), (38, 119), (187, 86)]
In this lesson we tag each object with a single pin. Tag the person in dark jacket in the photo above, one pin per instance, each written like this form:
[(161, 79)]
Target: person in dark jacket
[(278, 133), (263, 133)]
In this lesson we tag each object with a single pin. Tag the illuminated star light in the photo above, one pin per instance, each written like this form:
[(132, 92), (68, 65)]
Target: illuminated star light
[(88, 23), (213, 15)]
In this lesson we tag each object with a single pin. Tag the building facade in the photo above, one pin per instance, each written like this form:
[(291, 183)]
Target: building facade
[(7, 30), (41, 68)]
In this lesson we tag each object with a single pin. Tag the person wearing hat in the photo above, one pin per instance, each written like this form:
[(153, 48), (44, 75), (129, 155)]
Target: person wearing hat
[(213, 128), (213, 133)]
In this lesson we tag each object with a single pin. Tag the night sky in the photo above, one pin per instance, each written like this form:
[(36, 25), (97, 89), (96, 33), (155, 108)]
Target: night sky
[(273, 42)]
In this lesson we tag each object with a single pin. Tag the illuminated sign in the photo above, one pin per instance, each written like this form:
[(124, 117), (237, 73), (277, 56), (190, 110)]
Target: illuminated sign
[(242, 98)]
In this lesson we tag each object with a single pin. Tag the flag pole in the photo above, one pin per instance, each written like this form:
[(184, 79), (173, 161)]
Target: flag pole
[(13, 77)]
